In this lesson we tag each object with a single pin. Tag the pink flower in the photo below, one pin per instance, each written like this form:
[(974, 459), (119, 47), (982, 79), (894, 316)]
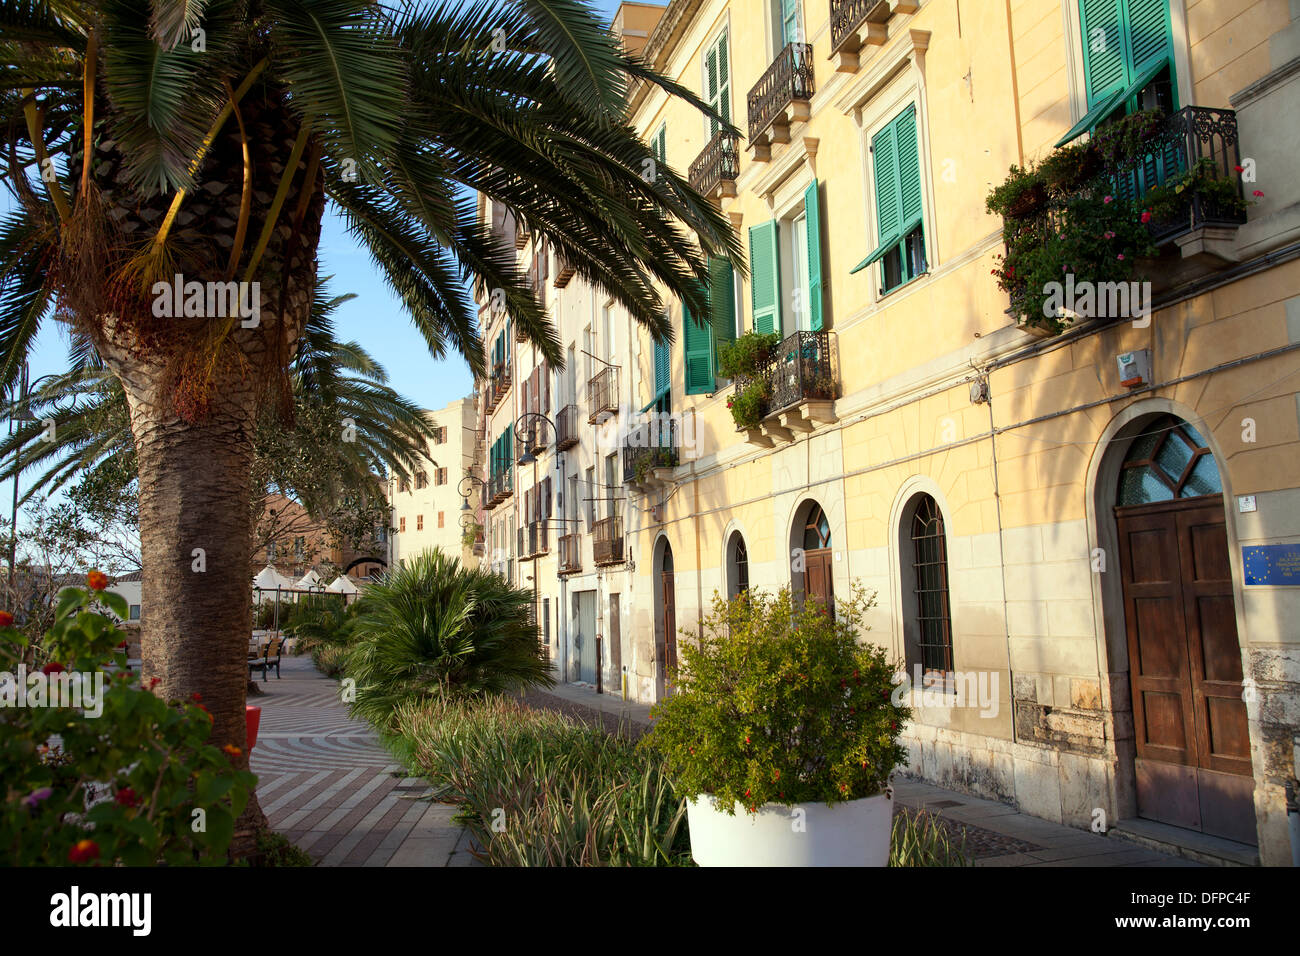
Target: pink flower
[(1108, 200), (1120, 256), (1258, 194)]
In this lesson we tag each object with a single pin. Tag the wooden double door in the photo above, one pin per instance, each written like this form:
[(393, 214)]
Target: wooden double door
[(1193, 747)]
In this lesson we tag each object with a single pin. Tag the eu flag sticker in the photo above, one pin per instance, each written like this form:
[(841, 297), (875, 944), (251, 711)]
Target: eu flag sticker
[(1273, 564)]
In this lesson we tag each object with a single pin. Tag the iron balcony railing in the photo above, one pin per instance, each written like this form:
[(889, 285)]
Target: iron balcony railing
[(800, 369), (566, 428), (789, 78), (501, 486), (607, 541), (847, 16), (649, 446), (570, 546), (602, 393), (717, 163), (498, 384)]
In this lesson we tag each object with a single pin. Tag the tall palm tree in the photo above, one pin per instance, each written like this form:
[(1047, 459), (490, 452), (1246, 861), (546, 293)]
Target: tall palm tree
[(341, 400), (204, 139)]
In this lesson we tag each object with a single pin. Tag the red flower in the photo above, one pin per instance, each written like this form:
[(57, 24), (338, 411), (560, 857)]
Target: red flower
[(97, 580), (53, 667), (746, 740), (196, 697), (232, 750), (1240, 169), (6, 619), (127, 797), (84, 852), (746, 793), (1146, 217), (1258, 194), (893, 725), (154, 682)]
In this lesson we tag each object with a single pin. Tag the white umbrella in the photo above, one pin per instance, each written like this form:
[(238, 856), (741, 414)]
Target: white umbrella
[(308, 581), (343, 585), (268, 579)]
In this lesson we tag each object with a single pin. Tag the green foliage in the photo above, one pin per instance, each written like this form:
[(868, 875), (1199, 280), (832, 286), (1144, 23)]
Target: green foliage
[(743, 357), (1221, 193), (118, 788), (780, 703), (1017, 193), (433, 627), (748, 404), (276, 849), (319, 619), (329, 659), (923, 839), (541, 789)]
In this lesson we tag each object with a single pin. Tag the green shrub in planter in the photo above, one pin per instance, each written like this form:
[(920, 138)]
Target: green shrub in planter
[(743, 357), (781, 703), (748, 404)]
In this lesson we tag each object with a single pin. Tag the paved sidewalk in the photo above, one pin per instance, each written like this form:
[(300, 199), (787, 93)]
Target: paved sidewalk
[(999, 835), (326, 782)]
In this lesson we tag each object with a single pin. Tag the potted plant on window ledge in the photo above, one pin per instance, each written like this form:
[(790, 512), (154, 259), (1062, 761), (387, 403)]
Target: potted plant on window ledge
[(782, 735)]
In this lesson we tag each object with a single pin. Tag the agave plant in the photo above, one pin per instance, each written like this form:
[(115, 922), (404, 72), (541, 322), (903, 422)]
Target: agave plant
[(434, 627), (203, 138)]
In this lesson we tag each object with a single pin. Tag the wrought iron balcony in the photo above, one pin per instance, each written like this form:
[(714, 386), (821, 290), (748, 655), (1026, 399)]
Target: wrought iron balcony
[(848, 17), (498, 385), (799, 370), (566, 428), (717, 166), (786, 86), (607, 541), (570, 553), (602, 393), (650, 446), (501, 486)]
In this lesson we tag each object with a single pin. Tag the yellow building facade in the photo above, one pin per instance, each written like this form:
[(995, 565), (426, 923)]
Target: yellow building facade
[(1092, 536)]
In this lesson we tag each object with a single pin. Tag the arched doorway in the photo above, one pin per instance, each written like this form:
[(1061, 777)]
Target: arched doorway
[(811, 560), (1192, 747), (665, 618)]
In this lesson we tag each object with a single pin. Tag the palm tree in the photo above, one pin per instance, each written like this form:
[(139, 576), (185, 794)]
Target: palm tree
[(203, 141), (341, 401)]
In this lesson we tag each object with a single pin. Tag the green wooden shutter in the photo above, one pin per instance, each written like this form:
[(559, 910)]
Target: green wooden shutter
[(722, 304), (717, 82), (724, 79), (1103, 48), (697, 349), (909, 167), (663, 368), (1149, 36), (813, 220), (884, 160), (765, 275)]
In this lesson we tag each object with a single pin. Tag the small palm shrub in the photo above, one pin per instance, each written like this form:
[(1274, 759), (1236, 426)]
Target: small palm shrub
[(922, 839), (780, 703), (322, 621), (433, 627), (542, 789)]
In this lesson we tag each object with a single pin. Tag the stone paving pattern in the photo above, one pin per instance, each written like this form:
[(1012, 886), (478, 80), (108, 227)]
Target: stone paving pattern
[(326, 782)]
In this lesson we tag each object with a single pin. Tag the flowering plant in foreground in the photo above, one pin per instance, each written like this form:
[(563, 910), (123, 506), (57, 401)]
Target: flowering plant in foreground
[(781, 703), (138, 785)]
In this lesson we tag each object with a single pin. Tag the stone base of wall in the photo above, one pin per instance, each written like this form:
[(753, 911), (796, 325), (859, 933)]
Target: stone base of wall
[(1058, 786)]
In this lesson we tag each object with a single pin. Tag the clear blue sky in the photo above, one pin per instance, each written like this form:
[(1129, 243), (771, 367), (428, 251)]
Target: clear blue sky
[(374, 318)]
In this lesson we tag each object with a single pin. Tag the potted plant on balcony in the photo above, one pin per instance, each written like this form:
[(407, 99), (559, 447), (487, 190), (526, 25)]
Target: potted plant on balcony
[(782, 734), (1069, 168), (1022, 194), (747, 405), (747, 354), (1204, 181)]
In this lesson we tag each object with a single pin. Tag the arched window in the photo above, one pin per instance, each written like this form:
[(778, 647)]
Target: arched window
[(737, 565), (1168, 460), (816, 530), (930, 637), (811, 567)]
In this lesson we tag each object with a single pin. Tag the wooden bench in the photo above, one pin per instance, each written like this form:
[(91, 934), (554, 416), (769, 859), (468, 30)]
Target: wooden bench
[(270, 657)]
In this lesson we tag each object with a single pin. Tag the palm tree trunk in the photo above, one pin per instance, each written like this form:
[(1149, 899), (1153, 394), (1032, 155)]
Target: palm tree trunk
[(195, 525)]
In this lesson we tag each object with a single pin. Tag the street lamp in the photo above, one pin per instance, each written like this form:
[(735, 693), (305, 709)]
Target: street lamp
[(538, 419)]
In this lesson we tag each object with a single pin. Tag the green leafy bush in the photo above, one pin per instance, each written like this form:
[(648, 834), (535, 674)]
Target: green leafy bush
[(748, 404), (780, 703), (433, 627), (123, 787), (542, 789), (1221, 193), (744, 356), (322, 620)]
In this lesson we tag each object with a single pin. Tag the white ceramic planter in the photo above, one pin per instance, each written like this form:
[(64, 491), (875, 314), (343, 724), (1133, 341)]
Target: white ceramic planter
[(855, 833)]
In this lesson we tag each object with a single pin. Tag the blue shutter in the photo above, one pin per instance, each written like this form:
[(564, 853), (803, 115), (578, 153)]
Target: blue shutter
[(813, 221), (765, 275)]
